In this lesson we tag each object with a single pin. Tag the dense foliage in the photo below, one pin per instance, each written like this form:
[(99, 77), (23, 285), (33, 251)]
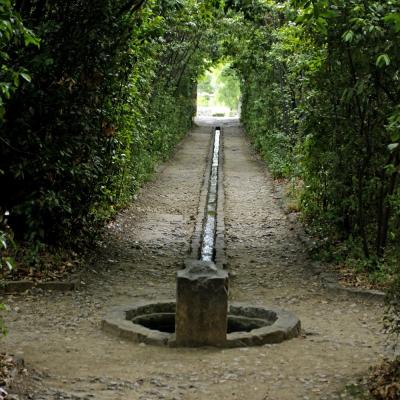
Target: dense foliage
[(13, 33), (110, 92), (326, 110)]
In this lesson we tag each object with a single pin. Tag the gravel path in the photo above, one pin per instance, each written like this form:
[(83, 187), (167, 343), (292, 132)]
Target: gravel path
[(71, 358)]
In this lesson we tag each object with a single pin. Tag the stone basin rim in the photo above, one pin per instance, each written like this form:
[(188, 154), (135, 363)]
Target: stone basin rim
[(285, 325)]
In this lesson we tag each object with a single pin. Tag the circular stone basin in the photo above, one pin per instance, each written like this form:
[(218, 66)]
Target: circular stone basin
[(154, 323)]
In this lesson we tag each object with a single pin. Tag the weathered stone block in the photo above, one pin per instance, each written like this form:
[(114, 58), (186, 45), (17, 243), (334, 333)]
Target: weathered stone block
[(202, 305)]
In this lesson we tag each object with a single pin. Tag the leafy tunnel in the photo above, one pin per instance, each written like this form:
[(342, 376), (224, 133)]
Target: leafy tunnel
[(95, 93)]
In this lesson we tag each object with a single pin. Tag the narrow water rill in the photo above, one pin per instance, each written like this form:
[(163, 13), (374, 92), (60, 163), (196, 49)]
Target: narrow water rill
[(208, 237), (201, 315)]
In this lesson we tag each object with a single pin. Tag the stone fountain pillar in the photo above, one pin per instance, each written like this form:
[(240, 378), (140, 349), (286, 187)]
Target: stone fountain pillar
[(201, 305)]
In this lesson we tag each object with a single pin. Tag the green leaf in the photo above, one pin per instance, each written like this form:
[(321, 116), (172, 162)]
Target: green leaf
[(383, 61), (26, 76), (31, 39), (9, 262), (393, 146), (348, 36), (394, 18)]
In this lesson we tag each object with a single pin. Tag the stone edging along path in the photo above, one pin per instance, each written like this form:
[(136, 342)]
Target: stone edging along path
[(330, 280), (73, 283)]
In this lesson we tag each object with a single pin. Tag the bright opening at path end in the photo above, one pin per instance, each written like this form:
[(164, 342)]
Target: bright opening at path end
[(218, 93)]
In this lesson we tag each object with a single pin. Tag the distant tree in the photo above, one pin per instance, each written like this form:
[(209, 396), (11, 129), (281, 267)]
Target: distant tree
[(228, 92), (205, 84)]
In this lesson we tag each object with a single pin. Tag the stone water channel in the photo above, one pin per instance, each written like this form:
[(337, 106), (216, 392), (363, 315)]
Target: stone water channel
[(210, 220), (201, 315)]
